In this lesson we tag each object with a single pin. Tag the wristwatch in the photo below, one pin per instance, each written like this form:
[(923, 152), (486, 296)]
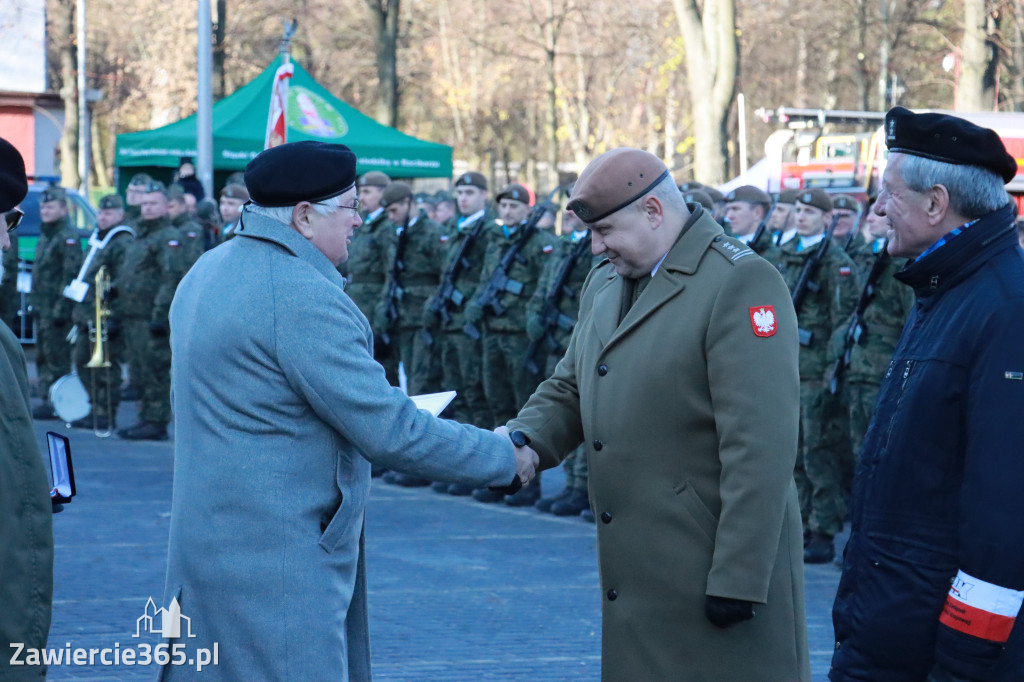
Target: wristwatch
[(518, 438)]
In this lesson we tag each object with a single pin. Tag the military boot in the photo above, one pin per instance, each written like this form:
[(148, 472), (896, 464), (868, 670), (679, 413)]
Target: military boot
[(587, 515), (526, 497), (572, 505), (819, 549), (43, 412), (460, 489), (487, 496), (440, 487), (145, 431), (407, 481), (544, 504)]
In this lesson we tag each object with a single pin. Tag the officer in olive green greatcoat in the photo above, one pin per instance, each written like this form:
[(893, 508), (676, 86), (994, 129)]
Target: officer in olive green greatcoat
[(154, 263), (58, 259), (367, 267), (828, 301), (502, 319), (103, 384)]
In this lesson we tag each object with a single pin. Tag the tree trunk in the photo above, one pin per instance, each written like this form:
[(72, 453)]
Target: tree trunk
[(550, 179), (220, 30), (99, 158), (712, 63), (385, 16), (974, 58), (1017, 79), (65, 23)]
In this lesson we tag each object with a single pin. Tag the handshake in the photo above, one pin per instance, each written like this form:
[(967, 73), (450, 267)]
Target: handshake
[(526, 462)]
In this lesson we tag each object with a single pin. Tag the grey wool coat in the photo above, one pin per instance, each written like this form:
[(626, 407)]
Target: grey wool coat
[(279, 411), (689, 411)]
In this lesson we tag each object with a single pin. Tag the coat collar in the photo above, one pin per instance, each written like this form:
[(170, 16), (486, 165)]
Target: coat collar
[(275, 232), (682, 260)]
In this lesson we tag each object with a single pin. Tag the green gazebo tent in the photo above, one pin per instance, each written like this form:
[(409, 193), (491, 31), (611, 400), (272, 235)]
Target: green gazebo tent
[(239, 129)]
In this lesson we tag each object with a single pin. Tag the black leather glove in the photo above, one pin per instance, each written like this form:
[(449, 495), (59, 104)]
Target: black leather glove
[(113, 328), (110, 295), (159, 330), (724, 612)]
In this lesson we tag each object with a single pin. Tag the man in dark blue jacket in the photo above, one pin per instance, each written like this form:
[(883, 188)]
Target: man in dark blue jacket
[(933, 578)]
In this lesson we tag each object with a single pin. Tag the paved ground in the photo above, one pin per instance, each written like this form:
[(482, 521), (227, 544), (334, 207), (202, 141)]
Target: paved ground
[(458, 590)]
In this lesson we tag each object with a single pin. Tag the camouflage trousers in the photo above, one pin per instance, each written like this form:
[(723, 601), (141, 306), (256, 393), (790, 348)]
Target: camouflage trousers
[(817, 465), (149, 360), (422, 372), (388, 356), (53, 354), (576, 471), (507, 383), (861, 397), (461, 368), (102, 384)]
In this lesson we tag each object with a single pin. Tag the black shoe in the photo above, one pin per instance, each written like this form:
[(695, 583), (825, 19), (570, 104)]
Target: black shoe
[(487, 495), (377, 472), (144, 431), (407, 481), (460, 490), (544, 503), (819, 549), (587, 515), (43, 412), (440, 487), (572, 505), (129, 393), (526, 497), (389, 477)]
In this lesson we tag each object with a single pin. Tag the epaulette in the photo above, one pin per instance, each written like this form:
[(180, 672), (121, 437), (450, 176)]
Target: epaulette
[(731, 249)]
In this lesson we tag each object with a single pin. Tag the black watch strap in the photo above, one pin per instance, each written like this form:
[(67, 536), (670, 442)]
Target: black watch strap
[(518, 438)]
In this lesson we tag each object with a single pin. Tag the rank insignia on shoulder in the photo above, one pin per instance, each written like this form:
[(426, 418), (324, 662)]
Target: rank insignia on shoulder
[(762, 320), (70, 242), (172, 242), (548, 248), (845, 271)]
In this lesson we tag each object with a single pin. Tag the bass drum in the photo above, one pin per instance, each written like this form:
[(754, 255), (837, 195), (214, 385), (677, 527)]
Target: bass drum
[(69, 398)]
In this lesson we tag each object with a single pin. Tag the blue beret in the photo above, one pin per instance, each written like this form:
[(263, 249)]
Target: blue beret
[(300, 171), (949, 139), (13, 184)]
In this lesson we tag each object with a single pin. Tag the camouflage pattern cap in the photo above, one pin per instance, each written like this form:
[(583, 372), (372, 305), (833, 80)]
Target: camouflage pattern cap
[(613, 181)]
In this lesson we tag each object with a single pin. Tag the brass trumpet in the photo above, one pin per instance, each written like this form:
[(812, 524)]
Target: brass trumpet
[(100, 361)]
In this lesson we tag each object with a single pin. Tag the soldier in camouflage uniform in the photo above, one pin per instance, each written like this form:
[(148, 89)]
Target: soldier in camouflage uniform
[(782, 222), (367, 265), (507, 383), (154, 262), (57, 261), (192, 237), (133, 197), (552, 314), (746, 207), (445, 212), (461, 356), (826, 307), (232, 198), (10, 298), (102, 385)]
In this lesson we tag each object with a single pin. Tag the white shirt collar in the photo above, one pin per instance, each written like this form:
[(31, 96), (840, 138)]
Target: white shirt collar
[(745, 238), (808, 242), (787, 236)]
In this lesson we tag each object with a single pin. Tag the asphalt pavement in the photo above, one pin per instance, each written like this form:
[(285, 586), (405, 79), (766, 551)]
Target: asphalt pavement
[(458, 590)]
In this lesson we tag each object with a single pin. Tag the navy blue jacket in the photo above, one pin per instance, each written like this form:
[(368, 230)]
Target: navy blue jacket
[(940, 479)]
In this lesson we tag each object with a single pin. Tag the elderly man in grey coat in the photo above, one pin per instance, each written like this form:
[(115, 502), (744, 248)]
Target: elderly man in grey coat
[(280, 410)]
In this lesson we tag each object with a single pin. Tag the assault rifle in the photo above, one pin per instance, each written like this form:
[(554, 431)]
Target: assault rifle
[(550, 315), (394, 292), (806, 281), (489, 297), (449, 296), (855, 330)]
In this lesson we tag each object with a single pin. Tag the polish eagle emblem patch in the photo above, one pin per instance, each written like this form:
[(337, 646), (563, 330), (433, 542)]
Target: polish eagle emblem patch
[(762, 319)]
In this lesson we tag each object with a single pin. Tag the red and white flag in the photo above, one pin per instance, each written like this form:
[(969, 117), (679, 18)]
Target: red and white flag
[(277, 123)]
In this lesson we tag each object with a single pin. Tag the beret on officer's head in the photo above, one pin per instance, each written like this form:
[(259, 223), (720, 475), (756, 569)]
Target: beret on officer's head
[(111, 201), (53, 193), (818, 198), (374, 179), (235, 191), (613, 181), (949, 139), (715, 195), (749, 194), (698, 196), (472, 179), (516, 192), (394, 192), (788, 196), (845, 201), (300, 171), (13, 183)]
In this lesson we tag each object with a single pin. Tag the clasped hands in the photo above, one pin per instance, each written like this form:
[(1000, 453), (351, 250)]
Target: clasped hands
[(526, 459)]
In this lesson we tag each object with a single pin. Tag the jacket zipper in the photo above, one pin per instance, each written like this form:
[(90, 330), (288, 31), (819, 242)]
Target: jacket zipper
[(899, 400)]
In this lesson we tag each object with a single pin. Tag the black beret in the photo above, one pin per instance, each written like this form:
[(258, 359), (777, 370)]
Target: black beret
[(112, 201), (300, 171), (749, 194), (13, 183), (949, 139), (53, 193), (472, 179)]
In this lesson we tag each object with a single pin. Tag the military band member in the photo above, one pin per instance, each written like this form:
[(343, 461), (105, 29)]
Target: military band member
[(58, 259), (829, 298)]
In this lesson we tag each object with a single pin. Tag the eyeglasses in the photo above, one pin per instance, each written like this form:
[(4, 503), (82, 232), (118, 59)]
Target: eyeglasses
[(13, 218), (354, 207)]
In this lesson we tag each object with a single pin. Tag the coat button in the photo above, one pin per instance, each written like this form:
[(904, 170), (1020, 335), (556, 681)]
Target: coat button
[(602, 370), (598, 444), (612, 595), (606, 517)]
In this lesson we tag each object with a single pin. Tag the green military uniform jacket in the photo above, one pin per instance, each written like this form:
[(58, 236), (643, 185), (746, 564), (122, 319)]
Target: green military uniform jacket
[(567, 299), (826, 311), (526, 269), (367, 265), (469, 278), (192, 236), (58, 259), (419, 275), (154, 262), (688, 408), (26, 520)]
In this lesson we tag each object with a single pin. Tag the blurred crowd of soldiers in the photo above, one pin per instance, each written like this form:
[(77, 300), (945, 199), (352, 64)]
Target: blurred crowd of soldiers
[(480, 296)]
